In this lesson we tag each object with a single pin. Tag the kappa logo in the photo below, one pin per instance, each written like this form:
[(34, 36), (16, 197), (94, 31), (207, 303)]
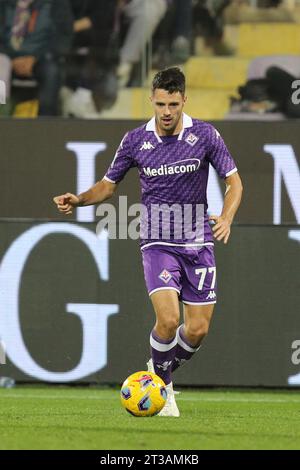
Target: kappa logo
[(164, 366), (180, 362), (147, 146), (211, 295), (165, 276), (192, 139)]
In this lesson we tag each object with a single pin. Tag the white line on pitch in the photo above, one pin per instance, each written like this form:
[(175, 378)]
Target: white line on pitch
[(180, 398)]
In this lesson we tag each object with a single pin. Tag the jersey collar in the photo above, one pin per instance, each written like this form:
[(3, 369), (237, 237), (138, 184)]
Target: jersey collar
[(187, 122)]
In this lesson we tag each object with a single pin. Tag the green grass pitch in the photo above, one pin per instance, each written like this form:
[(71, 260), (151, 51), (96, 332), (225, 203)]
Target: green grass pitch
[(92, 418)]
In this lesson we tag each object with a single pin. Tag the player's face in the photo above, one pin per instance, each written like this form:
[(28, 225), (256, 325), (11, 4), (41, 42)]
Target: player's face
[(168, 109)]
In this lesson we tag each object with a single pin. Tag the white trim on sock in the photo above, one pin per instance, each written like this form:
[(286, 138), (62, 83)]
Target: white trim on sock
[(183, 343), (161, 347)]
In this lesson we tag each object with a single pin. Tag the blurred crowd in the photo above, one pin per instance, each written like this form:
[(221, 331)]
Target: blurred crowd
[(74, 55)]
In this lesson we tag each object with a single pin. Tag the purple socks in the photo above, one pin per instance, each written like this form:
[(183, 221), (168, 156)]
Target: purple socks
[(162, 353), (168, 355), (184, 350)]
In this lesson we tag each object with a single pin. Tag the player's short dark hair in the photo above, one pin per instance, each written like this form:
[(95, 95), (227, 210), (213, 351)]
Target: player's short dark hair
[(171, 80)]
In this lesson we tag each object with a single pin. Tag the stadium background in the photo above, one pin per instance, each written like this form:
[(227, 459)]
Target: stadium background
[(73, 305), (75, 309)]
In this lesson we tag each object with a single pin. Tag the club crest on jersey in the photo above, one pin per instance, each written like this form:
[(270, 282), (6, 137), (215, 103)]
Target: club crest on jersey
[(192, 139), (165, 276), (147, 146)]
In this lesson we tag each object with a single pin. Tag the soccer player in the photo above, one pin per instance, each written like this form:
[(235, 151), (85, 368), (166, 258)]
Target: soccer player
[(172, 153)]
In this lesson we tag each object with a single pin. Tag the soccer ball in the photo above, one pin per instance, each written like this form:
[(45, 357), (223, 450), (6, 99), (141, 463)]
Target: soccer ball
[(143, 394)]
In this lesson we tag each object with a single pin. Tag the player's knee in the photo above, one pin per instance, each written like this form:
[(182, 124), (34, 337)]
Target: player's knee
[(197, 332), (167, 326)]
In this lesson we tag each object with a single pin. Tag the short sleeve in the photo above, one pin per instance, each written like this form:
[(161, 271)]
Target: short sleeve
[(219, 156), (121, 163)]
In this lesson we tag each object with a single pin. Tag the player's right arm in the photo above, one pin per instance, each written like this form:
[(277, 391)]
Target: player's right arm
[(101, 191), (105, 188)]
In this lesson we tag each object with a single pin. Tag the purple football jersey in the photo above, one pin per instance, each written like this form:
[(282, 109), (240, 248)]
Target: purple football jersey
[(173, 174)]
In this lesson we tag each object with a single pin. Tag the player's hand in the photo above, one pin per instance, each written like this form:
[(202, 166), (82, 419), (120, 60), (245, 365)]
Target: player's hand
[(221, 229), (66, 203)]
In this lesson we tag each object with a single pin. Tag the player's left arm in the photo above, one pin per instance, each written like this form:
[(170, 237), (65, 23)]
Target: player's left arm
[(232, 200)]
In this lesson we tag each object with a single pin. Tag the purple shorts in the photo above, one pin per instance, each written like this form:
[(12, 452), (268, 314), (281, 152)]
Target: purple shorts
[(191, 271)]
